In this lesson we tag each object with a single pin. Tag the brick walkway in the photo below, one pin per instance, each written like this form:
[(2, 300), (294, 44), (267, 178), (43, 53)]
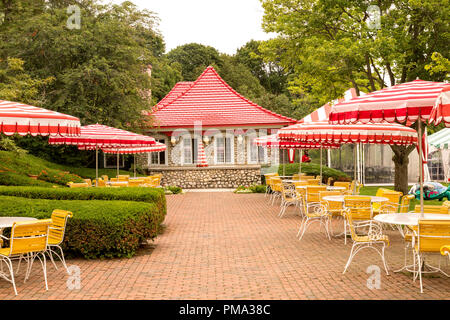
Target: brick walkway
[(228, 246)]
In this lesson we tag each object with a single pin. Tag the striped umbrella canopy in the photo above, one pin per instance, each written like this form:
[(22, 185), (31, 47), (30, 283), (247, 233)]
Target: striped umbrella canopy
[(157, 147), (407, 102), (441, 109), (104, 136), (25, 119), (274, 141), (324, 132), (100, 136), (201, 158), (440, 139), (400, 103)]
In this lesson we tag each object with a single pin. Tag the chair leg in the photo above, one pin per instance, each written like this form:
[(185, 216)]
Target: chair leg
[(350, 258), (384, 259), (50, 253), (8, 263)]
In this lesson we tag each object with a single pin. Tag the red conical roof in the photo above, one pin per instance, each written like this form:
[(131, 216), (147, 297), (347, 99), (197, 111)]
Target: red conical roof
[(214, 103)]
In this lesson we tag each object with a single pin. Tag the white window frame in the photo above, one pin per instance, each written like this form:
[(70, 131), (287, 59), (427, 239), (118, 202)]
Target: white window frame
[(250, 145), (224, 136), (191, 141), (166, 155)]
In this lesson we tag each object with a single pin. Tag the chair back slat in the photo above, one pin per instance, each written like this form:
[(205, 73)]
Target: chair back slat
[(58, 225), (360, 208), (29, 236), (432, 235)]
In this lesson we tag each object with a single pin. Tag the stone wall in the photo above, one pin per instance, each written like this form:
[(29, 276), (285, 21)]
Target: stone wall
[(209, 177)]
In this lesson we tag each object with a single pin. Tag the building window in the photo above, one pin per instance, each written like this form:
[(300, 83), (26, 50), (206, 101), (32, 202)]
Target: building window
[(256, 154), (435, 166), (158, 158), (224, 150), (190, 151)]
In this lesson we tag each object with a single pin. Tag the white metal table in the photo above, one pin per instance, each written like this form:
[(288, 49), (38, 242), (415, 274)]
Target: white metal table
[(373, 199), (7, 222), (408, 219)]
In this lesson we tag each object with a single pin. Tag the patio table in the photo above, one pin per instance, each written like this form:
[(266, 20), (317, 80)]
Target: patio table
[(329, 188), (408, 219), (7, 222), (373, 199)]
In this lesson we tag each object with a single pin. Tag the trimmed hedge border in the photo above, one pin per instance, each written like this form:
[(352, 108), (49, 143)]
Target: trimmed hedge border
[(99, 228)]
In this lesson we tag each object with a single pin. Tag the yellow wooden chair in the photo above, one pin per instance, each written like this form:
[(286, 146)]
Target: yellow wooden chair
[(405, 203), (300, 183), (319, 214), (88, 181), (344, 184), (313, 182), (104, 177), (78, 185), (276, 188), (380, 193), (360, 209), (113, 180), (123, 177), (295, 176), (334, 208), (56, 235), (306, 177), (267, 178), (135, 182), (301, 200), (101, 183), (431, 209), (29, 241), (431, 235), (373, 237), (392, 205), (288, 197)]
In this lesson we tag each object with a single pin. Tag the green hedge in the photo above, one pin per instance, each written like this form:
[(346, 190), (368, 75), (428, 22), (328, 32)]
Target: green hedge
[(99, 228), (313, 169)]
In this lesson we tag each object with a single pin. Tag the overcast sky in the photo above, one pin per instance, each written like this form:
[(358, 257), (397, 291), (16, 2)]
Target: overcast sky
[(223, 24)]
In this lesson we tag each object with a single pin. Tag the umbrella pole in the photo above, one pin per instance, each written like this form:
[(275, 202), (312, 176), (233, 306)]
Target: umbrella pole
[(320, 164), (355, 153), (96, 165), (421, 166), (117, 164), (284, 167), (134, 160), (300, 163)]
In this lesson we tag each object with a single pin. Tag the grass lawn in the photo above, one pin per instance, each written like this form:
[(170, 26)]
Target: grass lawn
[(372, 190)]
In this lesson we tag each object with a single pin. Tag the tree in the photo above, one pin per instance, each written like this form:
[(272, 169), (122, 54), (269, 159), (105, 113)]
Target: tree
[(98, 68), (194, 58), (330, 47)]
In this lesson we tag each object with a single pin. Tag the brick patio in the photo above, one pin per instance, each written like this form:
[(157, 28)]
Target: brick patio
[(229, 246)]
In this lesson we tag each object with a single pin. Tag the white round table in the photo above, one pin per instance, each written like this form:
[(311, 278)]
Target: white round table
[(373, 199), (329, 188), (7, 222), (409, 219)]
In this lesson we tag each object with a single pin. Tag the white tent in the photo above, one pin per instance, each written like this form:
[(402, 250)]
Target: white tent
[(441, 141)]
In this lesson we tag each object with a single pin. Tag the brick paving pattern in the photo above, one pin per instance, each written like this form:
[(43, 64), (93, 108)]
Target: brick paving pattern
[(233, 246)]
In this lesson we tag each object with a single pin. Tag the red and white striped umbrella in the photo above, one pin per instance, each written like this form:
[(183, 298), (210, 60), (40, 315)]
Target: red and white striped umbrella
[(157, 147), (400, 103), (201, 158), (441, 110), (25, 119), (323, 132), (104, 136), (274, 141)]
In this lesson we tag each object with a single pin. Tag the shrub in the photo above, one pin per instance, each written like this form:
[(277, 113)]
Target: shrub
[(314, 170), (258, 188), (8, 178), (174, 189), (98, 229)]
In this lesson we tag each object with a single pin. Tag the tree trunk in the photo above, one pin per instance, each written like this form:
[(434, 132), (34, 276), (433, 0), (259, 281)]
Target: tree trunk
[(401, 161)]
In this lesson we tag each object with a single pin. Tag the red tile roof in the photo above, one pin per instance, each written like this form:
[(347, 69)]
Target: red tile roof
[(213, 102)]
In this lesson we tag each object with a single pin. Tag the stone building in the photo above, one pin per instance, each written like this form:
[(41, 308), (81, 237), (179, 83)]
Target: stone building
[(209, 115)]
